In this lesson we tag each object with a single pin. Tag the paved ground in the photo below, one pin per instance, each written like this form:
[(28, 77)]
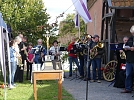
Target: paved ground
[(97, 91)]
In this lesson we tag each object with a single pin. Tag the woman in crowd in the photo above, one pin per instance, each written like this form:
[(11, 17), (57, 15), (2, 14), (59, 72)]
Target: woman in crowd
[(30, 59), (19, 59), (13, 61)]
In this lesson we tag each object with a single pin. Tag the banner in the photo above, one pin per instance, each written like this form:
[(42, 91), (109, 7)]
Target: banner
[(81, 8)]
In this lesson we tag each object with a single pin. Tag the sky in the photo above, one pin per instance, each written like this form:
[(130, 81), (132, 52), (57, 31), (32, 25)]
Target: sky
[(57, 7)]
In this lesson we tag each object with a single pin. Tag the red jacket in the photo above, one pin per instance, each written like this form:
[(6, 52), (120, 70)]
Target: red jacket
[(70, 47)]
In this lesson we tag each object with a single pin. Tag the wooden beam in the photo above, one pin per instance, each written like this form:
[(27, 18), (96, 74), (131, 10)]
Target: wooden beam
[(102, 24)]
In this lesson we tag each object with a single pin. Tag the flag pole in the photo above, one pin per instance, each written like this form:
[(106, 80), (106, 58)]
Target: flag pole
[(79, 26), (79, 32)]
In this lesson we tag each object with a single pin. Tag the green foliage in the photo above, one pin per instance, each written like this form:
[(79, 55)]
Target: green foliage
[(69, 26), (24, 16)]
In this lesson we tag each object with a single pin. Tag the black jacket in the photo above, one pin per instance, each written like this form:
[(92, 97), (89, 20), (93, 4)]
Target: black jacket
[(23, 55), (130, 54)]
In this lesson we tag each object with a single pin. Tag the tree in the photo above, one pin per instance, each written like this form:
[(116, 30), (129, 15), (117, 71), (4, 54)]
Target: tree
[(68, 26), (24, 16)]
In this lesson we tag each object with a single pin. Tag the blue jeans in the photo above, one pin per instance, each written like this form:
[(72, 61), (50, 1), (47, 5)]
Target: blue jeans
[(96, 63), (71, 60), (129, 71), (13, 70), (81, 67)]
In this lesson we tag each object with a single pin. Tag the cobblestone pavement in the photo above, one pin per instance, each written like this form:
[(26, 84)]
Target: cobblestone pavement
[(97, 91)]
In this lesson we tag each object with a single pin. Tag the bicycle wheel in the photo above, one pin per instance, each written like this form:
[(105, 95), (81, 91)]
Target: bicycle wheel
[(109, 70)]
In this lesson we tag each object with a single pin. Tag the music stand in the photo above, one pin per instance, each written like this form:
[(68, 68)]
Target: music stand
[(87, 65), (74, 51), (116, 46), (63, 49)]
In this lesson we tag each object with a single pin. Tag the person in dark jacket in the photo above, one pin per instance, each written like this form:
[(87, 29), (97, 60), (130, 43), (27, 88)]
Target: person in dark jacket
[(96, 61), (129, 47), (87, 60), (120, 73)]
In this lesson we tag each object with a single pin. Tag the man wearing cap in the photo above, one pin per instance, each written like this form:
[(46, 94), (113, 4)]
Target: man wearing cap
[(96, 61), (55, 54), (129, 47)]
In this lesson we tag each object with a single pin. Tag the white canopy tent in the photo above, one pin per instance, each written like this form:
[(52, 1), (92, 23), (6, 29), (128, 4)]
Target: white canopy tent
[(4, 38)]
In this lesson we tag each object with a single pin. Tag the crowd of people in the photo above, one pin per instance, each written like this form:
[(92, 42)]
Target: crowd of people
[(84, 59), (125, 67), (24, 54)]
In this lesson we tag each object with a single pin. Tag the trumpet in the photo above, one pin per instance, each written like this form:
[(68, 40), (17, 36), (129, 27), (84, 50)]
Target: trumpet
[(94, 50)]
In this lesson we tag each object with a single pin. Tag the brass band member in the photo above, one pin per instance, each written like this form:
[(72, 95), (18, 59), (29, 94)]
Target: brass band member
[(40, 53), (129, 47), (23, 48), (120, 74), (88, 73), (81, 60), (55, 55), (96, 61), (72, 57), (19, 72)]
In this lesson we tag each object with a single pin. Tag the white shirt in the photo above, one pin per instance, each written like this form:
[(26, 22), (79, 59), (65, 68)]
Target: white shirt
[(53, 51)]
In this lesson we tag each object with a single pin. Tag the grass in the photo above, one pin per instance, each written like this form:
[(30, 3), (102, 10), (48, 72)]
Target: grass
[(24, 91)]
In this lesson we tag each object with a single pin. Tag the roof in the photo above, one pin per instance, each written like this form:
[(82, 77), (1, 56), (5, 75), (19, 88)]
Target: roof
[(119, 4), (90, 3)]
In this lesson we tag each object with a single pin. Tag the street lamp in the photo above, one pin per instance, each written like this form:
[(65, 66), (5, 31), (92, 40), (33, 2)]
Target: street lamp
[(47, 37)]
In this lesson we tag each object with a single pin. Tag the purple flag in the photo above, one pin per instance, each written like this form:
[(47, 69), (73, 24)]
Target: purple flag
[(77, 20)]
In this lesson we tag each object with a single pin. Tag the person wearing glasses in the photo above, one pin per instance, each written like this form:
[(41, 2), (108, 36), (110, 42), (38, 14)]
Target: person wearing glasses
[(129, 48), (120, 73), (39, 52)]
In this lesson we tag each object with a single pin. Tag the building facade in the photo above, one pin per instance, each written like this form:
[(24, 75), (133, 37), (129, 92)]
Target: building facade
[(95, 10), (111, 20)]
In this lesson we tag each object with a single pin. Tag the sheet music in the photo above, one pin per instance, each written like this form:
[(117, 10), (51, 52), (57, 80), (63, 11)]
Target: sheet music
[(126, 47)]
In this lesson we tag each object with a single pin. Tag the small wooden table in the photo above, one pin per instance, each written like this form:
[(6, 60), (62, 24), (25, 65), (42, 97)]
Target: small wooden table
[(48, 75)]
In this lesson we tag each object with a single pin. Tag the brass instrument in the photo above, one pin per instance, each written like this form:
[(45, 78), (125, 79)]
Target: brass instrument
[(25, 51), (122, 55), (94, 50), (78, 41), (85, 51), (86, 38), (19, 61)]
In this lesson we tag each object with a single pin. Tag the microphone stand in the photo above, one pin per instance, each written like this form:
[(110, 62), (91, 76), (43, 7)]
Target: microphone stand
[(87, 69)]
